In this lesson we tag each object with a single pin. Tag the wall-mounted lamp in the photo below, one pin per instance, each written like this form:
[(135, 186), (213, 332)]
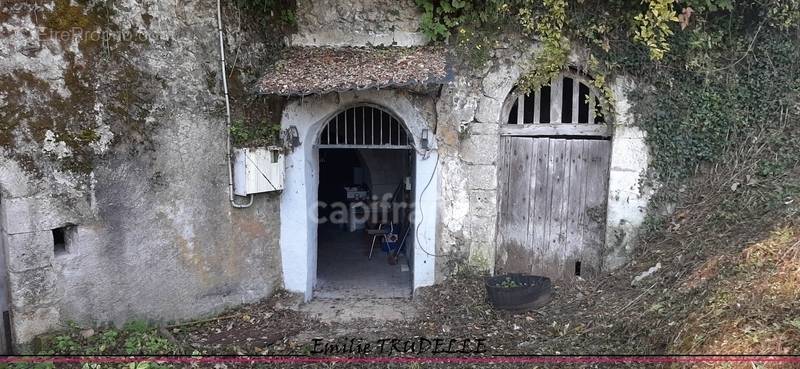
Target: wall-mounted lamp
[(424, 141), (292, 137)]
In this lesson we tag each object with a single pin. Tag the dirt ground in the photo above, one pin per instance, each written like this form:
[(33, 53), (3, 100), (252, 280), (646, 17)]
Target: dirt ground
[(696, 304), (728, 285), (729, 251), (455, 309), (725, 287)]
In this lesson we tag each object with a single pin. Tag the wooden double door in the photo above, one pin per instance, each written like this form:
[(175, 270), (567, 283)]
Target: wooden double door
[(552, 205)]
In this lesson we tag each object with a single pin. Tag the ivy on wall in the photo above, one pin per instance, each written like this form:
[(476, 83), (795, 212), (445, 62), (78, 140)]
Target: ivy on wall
[(256, 118), (270, 13), (709, 73)]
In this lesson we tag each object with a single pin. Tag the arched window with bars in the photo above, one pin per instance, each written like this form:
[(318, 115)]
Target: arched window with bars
[(569, 99), (365, 126)]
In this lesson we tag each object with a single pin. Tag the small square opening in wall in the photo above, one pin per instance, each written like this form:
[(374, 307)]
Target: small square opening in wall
[(62, 237)]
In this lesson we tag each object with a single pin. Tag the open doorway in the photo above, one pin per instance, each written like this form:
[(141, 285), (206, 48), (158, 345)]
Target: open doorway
[(365, 236), (365, 196), (367, 126)]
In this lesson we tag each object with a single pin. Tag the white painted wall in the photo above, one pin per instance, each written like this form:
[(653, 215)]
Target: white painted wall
[(387, 169), (299, 198), (425, 217), (627, 197)]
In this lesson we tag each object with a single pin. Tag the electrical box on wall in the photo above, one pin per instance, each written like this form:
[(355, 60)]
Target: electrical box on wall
[(257, 170)]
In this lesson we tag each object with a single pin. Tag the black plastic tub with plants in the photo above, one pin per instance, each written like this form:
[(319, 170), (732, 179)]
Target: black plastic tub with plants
[(518, 292)]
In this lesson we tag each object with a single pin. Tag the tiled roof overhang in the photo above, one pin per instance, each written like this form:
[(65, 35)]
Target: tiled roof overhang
[(304, 71)]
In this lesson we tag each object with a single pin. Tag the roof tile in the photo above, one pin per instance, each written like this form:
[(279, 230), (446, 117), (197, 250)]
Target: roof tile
[(318, 70)]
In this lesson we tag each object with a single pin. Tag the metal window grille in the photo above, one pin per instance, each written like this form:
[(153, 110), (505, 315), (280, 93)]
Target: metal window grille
[(568, 99), (364, 127)]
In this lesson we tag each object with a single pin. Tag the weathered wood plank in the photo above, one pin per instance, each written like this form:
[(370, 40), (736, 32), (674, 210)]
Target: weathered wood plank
[(537, 104), (503, 171), (544, 193), (560, 211), (556, 97), (552, 205), (516, 222), (531, 255), (576, 97), (502, 205), (521, 109), (577, 199), (540, 199), (597, 153), (553, 254), (598, 130)]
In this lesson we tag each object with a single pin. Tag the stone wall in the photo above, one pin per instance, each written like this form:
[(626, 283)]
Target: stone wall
[(469, 116), (122, 139), (357, 23), (468, 133), (627, 196)]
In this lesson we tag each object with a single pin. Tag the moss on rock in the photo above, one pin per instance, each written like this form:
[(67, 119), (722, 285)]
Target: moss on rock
[(99, 71)]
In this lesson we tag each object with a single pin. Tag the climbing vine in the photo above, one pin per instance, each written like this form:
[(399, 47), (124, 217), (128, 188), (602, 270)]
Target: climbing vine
[(255, 119), (270, 13), (652, 27), (548, 25), (709, 74)]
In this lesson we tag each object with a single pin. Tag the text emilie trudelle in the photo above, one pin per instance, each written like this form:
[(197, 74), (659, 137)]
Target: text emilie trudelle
[(392, 346)]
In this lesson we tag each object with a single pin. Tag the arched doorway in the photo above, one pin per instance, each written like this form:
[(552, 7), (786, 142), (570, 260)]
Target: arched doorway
[(365, 197), (299, 229), (553, 173)]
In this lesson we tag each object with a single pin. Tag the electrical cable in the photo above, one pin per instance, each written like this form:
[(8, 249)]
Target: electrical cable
[(227, 112), (421, 213)]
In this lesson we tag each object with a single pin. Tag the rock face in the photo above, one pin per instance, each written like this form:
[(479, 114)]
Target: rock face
[(357, 23), (112, 134), (113, 170)]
